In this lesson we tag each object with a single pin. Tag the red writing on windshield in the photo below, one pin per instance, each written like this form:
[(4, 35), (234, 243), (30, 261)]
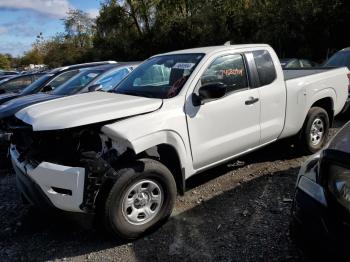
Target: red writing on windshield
[(236, 71)]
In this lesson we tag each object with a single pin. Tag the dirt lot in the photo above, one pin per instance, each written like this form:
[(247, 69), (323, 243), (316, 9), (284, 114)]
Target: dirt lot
[(236, 212)]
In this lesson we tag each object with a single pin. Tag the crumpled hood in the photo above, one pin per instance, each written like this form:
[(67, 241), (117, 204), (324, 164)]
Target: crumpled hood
[(84, 109), (11, 107)]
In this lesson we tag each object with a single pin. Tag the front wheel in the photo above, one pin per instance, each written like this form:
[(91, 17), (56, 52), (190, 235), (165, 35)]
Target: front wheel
[(140, 200), (315, 130)]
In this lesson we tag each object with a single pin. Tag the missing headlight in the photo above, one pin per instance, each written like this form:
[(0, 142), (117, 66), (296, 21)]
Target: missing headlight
[(61, 147)]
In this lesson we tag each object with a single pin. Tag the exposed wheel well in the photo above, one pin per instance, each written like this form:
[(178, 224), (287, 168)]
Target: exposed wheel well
[(327, 104), (167, 155)]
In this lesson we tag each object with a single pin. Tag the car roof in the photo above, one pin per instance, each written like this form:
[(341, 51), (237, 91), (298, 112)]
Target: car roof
[(133, 63), (78, 66), (7, 76), (8, 72), (117, 65), (27, 74), (346, 49), (212, 49)]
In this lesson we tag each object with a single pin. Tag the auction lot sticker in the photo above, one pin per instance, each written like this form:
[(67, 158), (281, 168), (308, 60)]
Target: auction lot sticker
[(183, 66)]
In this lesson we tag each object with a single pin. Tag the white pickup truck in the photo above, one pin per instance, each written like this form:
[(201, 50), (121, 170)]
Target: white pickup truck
[(125, 155)]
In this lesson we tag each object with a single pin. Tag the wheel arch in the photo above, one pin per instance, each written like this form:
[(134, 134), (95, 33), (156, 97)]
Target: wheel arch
[(167, 147), (169, 157), (327, 103), (170, 151)]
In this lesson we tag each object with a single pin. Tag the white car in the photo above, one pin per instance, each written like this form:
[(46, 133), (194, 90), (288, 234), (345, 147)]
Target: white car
[(126, 154)]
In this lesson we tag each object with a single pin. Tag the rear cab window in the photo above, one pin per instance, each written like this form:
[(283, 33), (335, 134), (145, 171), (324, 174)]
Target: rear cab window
[(265, 67)]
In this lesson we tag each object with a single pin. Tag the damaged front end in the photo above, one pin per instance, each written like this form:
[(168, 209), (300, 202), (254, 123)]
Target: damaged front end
[(5, 136), (70, 166)]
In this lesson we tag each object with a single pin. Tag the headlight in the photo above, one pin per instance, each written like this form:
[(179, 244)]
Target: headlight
[(339, 184)]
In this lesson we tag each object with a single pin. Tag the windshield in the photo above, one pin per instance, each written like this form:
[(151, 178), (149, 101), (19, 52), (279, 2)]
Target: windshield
[(36, 85), (109, 80), (62, 78), (17, 83), (78, 82), (160, 77), (339, 59)]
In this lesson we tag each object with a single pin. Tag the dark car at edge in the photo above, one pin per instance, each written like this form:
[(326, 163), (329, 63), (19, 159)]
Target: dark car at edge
[(321, 208)]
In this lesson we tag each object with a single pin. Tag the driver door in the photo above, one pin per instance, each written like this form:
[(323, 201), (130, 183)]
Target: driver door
[(227, 126)]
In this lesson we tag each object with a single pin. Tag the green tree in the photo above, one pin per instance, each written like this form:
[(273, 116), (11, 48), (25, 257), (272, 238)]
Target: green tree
[(79, 28), (117, 36), (59, 51), (137, 29), (5, 62), (33, 56), (73, 46)]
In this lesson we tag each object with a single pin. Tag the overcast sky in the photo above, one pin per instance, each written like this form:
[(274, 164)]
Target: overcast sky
[(22, 20)]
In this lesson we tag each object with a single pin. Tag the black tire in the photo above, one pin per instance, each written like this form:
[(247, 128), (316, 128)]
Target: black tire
[(308, 146), (115, 219)]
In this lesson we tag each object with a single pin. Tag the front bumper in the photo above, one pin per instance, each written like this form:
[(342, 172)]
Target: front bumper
[(50, 184)]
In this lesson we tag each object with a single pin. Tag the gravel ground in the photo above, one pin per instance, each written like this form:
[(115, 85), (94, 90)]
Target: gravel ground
[(236, 212)]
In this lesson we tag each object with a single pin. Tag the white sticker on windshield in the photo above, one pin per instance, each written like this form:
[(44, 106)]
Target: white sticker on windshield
[(92, 75), (183, 65)]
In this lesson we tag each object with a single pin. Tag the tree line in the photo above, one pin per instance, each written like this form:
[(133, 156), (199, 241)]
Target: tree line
[(127, 30)]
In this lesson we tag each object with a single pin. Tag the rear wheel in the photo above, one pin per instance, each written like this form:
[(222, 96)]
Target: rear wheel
[(140, 200), (315, 130)]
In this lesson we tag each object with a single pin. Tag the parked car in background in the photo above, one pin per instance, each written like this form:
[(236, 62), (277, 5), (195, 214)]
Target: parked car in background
[(18, 82), (101, 78), (125, 154), (50, 80), (339, 59), (290, 63), (4, 73), (5, 77), (321, 209), (7, 74)]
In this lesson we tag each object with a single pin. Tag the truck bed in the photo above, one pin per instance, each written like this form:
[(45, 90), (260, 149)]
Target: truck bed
[(295, 73), (305, 87)]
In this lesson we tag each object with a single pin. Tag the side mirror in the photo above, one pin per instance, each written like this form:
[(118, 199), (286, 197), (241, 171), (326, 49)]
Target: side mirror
[(209, 92), (47, 88), (95, 87)]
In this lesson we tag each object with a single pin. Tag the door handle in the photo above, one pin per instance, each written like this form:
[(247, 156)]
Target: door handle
[(251, 100)]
